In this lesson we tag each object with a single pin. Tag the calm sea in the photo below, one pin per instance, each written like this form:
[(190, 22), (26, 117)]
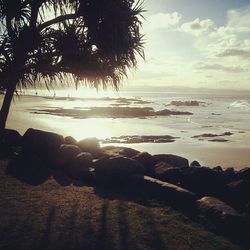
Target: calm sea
[(217, 114)]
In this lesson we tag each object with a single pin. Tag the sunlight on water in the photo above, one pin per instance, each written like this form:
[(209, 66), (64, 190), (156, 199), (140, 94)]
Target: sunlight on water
[(217, 114)]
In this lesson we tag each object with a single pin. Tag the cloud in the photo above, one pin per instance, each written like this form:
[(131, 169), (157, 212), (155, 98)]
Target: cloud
[(239, 17), (163, 20), (221, 41), (197, 26), (218, 67), (245, 54)]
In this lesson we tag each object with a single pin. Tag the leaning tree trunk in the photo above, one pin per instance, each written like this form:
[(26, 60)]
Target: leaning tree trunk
[(6, 105)]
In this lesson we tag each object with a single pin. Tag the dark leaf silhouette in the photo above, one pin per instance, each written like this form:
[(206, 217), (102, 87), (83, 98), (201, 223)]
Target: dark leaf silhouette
[(63, 41)]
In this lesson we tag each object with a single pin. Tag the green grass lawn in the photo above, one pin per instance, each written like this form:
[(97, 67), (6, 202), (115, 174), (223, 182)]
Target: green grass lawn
[(51, 216)]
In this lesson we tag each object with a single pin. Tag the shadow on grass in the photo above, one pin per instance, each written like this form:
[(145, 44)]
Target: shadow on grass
[(46, 237), (155, 235), (123, 227), (102, 235)]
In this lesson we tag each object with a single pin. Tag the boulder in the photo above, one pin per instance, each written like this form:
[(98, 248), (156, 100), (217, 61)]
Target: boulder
[(66, 154), (79, 167), (61, 177), (173, 195), (195, 164), (90, 145), (70, 140), (42, 144), (218, 168), (172, 175), (112, 151), (9, 141), (203, 181), (172, 160), (230, 174), (30, 170), (145, 159), (160, 167), (244, 174), (116, 170), (239, 194), (83, 160), (10, 137), (81, 163), (223, 217)]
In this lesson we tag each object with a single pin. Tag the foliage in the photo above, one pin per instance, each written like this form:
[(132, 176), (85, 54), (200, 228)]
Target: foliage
[(90, 41)]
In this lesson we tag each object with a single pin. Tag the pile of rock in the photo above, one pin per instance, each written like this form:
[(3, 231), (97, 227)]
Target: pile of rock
[(221, 198)]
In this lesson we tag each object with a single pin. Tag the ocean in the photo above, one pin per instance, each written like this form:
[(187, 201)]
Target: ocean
[(215, 131)]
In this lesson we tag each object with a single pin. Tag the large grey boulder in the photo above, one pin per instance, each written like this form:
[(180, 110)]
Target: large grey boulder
[(195, 164), (172, 175), (161, 167), (10, 140), (238, 194), (221, 216), (203, 181), (171, 160), (244, 174), (41, 144), (90, 145), (75, 165), (10, 137), (81, 167), (81, 163), (173, 195), (66, 154), (30, 170), (70, 140), (113, 151), (146, 160), (116, 170), (200, 180)]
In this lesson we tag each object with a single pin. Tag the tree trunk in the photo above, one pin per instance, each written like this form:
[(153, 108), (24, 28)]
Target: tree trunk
[(6, 105)]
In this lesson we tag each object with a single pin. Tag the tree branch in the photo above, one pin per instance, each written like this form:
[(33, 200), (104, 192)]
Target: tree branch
[(56, 20), (9, 27), (34, 15)]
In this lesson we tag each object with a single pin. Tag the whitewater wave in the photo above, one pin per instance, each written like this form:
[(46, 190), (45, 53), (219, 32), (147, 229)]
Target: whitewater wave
[(242, 104)]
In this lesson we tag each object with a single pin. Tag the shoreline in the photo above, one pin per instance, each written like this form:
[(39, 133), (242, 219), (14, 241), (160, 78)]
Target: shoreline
[(183, 131), (223, 156), (209, 154)]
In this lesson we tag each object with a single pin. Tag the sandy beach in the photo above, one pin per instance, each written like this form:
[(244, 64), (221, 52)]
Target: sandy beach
[(227, 143)]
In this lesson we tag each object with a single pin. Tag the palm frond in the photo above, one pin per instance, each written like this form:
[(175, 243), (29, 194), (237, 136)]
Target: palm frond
[(96, 48)]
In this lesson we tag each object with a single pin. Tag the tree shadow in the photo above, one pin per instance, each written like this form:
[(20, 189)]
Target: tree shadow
[(123, 227), (46, 237), (155, 239), (102, 234)]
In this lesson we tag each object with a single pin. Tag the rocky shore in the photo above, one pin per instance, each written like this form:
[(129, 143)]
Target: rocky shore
[(218, 198), (108, 112)]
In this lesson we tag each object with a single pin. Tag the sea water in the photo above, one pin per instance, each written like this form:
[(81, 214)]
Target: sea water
[(217, 113)]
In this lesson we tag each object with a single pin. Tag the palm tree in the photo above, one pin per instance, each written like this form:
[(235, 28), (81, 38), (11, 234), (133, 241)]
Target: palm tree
[(93, 42)]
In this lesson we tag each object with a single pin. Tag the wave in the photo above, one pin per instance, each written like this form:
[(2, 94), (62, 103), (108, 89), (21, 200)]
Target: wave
[(242, 104)]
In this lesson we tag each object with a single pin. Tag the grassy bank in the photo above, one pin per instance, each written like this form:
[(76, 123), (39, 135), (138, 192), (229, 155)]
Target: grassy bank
[(51, 216)]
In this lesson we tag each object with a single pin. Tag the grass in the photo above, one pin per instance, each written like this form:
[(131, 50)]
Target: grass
[(51, 216)]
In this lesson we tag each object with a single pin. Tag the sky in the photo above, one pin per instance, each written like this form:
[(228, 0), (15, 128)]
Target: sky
[(195, 43)]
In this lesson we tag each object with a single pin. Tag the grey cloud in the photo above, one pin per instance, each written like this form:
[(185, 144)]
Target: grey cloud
[(235, 52), (195, 26), (218, 67)]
